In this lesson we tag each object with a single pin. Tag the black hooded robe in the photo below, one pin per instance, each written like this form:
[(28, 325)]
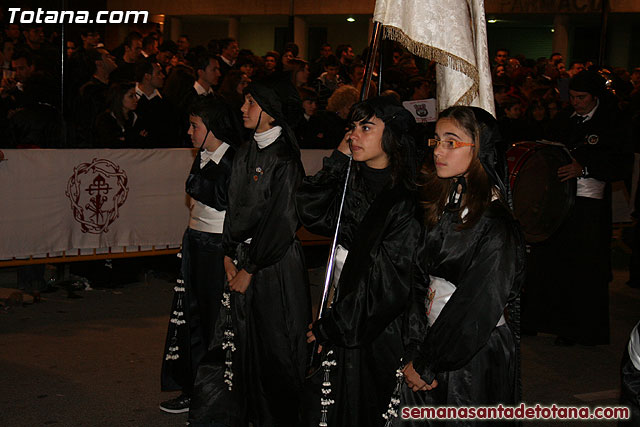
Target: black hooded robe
[(270, 320), (463, 323), (199, 291), (569, 273), (364, 325), (473, 360)]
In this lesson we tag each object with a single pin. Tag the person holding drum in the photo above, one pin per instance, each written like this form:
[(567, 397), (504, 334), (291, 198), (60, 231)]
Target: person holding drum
[(469, 269), (569, 273)]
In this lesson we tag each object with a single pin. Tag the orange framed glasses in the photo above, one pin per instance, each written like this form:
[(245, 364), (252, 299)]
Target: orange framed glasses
[(448, 145)]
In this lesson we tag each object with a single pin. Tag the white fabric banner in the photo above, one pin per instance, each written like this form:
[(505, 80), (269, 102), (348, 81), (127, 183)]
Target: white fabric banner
[(454, 34), (78, 201)]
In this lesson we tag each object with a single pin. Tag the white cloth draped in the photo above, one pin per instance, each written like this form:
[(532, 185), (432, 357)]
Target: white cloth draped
[(454, 34)]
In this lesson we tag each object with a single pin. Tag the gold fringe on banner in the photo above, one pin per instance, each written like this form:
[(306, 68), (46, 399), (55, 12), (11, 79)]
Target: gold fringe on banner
[(441, 57)]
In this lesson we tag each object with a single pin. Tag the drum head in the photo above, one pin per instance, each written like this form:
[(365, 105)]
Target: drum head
[(540, 201)]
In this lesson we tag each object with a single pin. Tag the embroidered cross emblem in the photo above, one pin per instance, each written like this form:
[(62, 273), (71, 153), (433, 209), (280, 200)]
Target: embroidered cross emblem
[(101, 189)]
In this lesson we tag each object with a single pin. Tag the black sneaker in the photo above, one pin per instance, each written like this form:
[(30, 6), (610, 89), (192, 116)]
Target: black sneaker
[(177, 405)]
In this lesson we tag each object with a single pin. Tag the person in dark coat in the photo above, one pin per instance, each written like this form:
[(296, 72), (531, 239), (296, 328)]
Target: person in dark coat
[(153, 109), (571, 270), (198, 295), (269, 305), (119, 126), (229, 51), (39, 122), (328, 127), (132, 48), (379, 233), (462, 350), (92, 96)]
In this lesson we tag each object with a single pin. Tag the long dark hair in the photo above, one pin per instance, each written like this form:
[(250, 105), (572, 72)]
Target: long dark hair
[(116, 94), (434, 191), (397, 142), (229, 86)]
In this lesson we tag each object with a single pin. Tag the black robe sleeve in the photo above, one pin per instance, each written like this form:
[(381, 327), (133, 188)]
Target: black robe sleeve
[(472, 312), (376, 280), (415, 323), (318, 198), (279, 223), (630, 376)]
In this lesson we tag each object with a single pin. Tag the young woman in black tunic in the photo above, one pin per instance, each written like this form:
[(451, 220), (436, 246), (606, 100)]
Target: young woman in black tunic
[(198, 293), (265, 269), (378, 235), (468, 274)]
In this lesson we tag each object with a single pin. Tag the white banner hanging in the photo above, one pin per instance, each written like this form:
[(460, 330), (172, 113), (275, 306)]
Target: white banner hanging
[(80, 200), (75, 202), (452, 33)]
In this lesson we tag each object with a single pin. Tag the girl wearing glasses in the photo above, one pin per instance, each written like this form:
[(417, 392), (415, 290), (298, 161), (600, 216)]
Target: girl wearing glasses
[(470, 265), (379, 232)]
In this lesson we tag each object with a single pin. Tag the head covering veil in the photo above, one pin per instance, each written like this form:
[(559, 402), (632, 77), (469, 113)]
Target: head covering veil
[(493, 162), (495, 165), (218, 118), (279, 98)]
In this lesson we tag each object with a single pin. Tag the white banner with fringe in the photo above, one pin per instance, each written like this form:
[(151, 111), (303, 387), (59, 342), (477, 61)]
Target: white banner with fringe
[(452, 33)]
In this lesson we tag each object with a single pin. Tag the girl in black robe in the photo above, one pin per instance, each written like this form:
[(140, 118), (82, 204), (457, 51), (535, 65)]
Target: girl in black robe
[(265, 268), (378, 234), (197, 297), (469, 271)]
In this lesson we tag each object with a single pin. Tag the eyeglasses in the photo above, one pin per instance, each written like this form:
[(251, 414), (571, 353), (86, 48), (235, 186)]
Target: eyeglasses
[(449, 145)]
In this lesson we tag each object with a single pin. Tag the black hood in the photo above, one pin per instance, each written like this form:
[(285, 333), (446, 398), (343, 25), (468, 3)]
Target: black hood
[(493, 162), (278, 97)]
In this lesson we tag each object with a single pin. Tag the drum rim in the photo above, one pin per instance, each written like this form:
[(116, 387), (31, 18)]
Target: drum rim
[(533, 147)]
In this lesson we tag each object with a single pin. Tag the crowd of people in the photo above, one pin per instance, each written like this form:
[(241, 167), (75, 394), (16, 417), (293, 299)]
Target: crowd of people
[(136, 95), (431, 260)]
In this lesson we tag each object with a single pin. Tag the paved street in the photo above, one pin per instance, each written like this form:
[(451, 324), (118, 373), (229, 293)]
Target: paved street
[(95, 361)]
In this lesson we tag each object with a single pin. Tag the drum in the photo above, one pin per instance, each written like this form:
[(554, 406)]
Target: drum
[(540, 201)]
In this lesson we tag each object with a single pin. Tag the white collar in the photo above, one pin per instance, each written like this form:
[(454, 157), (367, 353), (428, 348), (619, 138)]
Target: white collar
[(227, 61), (494, 196), (266, 138), (135, 119), (141, 93), (590, 114), (215, 156), (201, 90)]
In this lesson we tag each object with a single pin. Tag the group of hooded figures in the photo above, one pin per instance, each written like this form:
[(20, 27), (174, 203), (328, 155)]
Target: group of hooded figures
[(428, 267)]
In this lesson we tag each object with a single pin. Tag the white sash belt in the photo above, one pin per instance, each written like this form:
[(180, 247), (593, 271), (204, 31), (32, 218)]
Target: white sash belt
[(440, 290), (340, 258)]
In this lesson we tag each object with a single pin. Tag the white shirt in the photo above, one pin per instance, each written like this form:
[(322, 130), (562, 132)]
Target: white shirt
[(589, 115), (227, 61), (140, 93), (201, 90)]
